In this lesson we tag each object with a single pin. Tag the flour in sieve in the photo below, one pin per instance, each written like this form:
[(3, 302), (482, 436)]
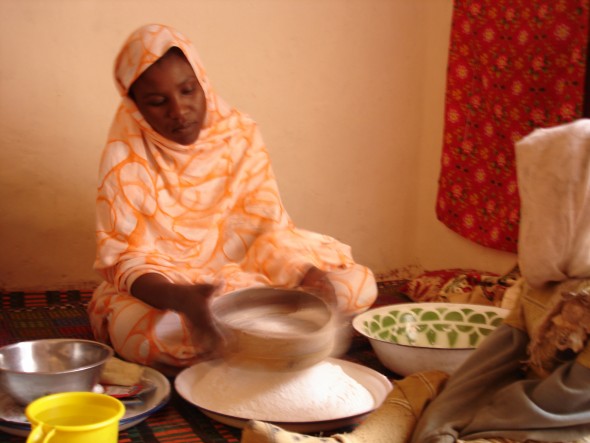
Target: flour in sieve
[(321, 392), (259, 320)]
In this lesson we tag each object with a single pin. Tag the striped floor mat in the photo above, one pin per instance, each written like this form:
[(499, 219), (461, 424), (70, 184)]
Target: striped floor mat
[(56, 314)]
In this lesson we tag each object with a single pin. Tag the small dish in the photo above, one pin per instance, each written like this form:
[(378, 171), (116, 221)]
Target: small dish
[(13, 420)]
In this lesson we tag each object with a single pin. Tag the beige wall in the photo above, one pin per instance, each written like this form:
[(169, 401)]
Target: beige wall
[(348, 93)]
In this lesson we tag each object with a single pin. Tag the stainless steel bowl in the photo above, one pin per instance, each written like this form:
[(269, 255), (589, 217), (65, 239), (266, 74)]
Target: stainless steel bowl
[(32, 369)]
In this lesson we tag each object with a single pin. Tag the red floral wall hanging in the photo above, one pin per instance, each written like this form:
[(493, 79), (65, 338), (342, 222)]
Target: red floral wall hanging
[(514, 65)]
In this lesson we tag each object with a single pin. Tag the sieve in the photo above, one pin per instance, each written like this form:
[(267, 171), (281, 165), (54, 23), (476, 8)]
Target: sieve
[(275, 329)]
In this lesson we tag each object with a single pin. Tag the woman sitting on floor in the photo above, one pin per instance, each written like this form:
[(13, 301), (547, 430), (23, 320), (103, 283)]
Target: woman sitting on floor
[(530, 380), (188, 209)]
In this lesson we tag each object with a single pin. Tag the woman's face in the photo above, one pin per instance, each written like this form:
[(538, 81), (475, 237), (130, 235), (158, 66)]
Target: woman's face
[(170, 98)]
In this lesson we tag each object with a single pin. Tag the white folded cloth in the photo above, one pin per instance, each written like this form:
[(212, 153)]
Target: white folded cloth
[(553, 169)]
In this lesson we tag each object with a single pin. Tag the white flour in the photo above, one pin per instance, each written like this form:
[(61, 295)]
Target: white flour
[(321, 392), (260, 320)]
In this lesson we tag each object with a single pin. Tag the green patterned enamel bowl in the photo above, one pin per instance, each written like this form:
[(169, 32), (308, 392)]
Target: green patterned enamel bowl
[(414, 337)]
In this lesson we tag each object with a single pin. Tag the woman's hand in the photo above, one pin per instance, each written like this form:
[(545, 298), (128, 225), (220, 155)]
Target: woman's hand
[(190, 300), (316, 281), (196, 310)]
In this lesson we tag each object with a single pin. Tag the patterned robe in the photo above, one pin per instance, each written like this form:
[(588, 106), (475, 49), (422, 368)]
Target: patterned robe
[(209, 212)]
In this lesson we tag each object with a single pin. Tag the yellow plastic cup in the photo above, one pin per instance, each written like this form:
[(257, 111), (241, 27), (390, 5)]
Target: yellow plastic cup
[(74, 417)]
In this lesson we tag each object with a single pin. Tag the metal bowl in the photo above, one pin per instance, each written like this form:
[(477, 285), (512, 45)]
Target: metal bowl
[(278, 329), (32, 369), (414, 337)]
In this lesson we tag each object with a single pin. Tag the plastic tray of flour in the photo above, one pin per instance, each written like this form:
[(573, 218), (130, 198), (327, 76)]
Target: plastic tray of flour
[(217, 399)]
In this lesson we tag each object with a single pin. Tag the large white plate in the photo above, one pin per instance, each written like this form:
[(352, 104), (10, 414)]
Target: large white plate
[(13, 420), (377, 384)]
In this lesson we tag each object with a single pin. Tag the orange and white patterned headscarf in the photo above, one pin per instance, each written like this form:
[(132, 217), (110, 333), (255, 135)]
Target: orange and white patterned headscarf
[(142, 49), (201, 212)]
